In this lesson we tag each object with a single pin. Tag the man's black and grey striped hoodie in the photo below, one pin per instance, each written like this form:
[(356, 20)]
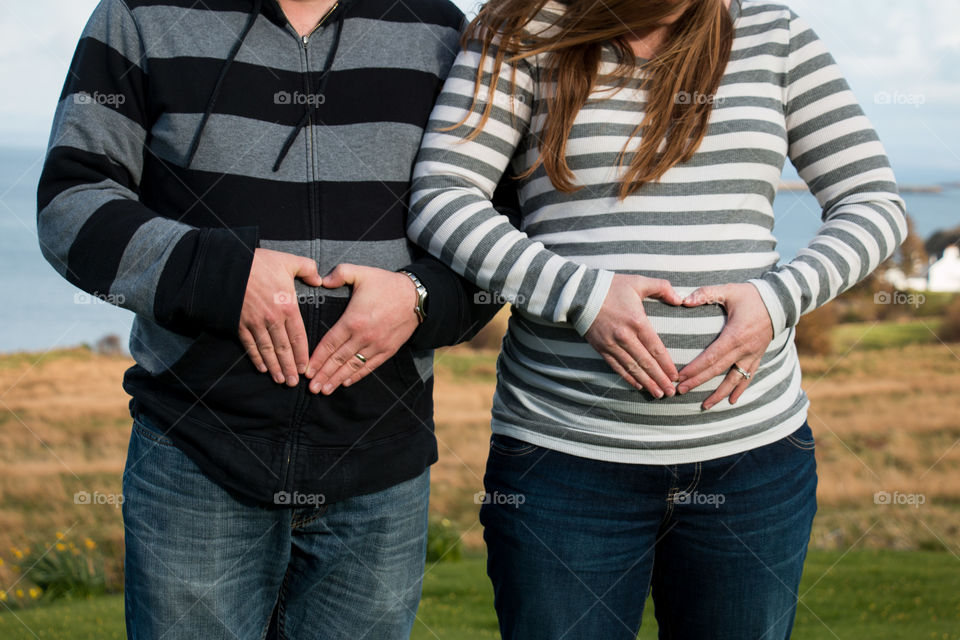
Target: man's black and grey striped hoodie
[(190, 133)]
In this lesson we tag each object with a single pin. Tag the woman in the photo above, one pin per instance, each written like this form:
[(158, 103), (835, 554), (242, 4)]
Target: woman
[(648, 137)]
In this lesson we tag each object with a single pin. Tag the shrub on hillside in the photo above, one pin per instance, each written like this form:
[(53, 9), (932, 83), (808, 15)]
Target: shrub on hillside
[(444, 543), (814, 332), (950, 327)]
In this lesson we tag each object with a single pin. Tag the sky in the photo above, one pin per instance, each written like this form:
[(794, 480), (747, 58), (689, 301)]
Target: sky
[(902, 59)]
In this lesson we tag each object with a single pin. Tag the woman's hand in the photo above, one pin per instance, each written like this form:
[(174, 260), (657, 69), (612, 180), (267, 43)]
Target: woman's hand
[(742, 343), (623, 335), (379, 319)]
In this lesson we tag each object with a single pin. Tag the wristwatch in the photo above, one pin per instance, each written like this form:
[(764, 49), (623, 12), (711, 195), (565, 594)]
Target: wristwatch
[(421, 308)]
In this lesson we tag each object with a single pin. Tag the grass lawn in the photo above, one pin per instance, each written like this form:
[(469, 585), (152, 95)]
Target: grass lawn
[(884, 335), (889, 595)]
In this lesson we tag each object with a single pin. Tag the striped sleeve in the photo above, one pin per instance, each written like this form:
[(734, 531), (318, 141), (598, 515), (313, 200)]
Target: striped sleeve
[(838, 154), (91, 224), (454, 179)]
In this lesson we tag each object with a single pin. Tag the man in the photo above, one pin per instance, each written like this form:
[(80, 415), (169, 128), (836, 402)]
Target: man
[(208, 161)]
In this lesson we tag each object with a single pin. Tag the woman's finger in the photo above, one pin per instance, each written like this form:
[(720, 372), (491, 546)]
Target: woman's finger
[(624, 366), (745, 382), (730, 382), (642, 357)]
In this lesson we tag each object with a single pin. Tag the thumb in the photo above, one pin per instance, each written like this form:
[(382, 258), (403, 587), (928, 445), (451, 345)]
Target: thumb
[(342, 275), (706, 295), (306, 270), (662, 290)]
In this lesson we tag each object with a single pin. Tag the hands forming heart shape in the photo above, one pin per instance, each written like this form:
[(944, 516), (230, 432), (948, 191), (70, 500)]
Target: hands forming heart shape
[(625, 338)]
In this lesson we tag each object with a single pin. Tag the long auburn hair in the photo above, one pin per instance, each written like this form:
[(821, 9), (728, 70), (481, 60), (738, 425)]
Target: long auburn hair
[(680, 80)]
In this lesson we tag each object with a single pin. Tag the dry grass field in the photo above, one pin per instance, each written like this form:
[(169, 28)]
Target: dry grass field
[(886, 419)]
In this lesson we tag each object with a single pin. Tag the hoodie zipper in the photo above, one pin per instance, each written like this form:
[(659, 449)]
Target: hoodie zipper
[(312, 320)]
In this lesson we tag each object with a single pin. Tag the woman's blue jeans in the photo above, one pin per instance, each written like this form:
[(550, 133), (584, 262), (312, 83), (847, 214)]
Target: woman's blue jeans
[(575, 545)]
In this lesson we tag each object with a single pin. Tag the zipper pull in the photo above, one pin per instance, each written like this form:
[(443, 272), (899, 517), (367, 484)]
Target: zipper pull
[(306, 40)]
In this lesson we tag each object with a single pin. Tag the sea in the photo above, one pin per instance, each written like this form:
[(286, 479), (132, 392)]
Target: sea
[(39, 310)]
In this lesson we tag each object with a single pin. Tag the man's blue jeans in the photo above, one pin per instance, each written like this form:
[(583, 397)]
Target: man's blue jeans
[(201, 565), (575, 545)]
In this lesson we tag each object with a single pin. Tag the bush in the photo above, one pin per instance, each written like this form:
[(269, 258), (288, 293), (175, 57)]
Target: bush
[(63, 571), (950, 327), (443, 541), (815, 331)]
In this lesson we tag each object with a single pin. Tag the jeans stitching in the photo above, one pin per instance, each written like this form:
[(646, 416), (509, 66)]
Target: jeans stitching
[(301, 521), (804, 445), (150, 435)]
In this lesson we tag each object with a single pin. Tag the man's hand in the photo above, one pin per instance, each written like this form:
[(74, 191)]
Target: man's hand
[(379, 319), (623, 335), (742, 343), (271, 327)]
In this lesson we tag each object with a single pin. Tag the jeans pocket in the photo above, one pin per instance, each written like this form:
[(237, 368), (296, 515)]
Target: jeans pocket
[(145, 429), (508, 446), (802, 438)]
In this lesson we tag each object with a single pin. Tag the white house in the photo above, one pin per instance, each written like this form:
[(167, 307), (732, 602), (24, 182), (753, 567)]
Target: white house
[(942, 275)]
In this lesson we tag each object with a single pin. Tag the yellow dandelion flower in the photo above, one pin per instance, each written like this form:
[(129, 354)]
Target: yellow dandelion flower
[(60, 535), (1, 562), (19, 593), (90, 544), (3, 596), (16, 552), (61, 546), (34, 593)]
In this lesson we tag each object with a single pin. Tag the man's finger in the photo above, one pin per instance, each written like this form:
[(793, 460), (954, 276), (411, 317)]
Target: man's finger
[(320, 366), (342, 275), (306, 270), (284, 353), (268, 353), (297, 335), (250, 346), (344, 359), (350, 373)]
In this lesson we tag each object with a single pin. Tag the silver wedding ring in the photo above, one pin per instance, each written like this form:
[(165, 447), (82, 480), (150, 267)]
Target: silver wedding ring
[(361, 358), (746, 374)]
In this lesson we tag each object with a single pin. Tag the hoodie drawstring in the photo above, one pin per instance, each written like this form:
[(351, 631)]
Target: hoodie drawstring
[(195, 143), (314, 105)]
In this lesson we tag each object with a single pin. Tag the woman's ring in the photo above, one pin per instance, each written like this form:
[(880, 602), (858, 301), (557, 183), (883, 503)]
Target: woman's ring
[(746, 374), (363, 359)]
